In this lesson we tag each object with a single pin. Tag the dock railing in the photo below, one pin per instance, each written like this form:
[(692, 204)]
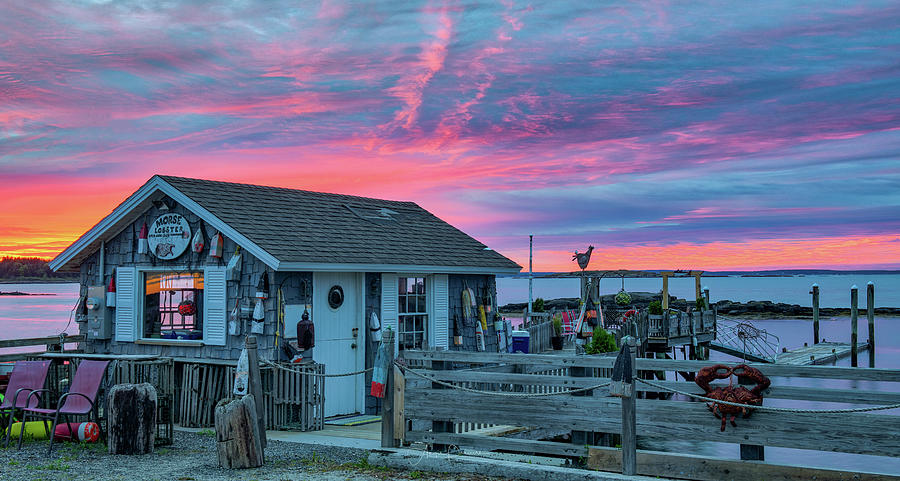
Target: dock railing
[(50, 344), (518, 393)]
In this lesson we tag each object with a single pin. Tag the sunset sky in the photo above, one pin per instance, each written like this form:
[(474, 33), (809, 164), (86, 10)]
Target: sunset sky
[(708, 135)]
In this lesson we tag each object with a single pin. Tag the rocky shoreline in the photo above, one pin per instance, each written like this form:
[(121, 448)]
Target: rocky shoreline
[(747, 310)]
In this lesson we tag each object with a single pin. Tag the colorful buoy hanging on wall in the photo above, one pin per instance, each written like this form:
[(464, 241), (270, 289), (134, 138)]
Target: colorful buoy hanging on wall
[(143, 243), (199, 241), (111, 292), (215, 245)]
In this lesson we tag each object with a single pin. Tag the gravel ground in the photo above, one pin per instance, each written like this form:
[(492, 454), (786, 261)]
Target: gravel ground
[(193, 457)]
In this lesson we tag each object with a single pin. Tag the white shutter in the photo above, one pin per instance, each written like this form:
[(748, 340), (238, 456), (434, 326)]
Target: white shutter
[(440, 312), (126, 303), (215, 306), (389, 297)]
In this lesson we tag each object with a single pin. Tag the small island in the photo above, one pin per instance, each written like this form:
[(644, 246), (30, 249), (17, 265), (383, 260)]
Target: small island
[(743, 310)]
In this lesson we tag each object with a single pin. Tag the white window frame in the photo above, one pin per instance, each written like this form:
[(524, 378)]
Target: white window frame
[(428, 325), (140, 299)]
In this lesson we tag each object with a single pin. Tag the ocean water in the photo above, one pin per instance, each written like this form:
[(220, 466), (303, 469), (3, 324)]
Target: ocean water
[(834, 290), (37, 316)]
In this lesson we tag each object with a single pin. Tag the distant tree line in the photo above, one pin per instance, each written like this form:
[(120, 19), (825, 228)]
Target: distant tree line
[(29, 268)]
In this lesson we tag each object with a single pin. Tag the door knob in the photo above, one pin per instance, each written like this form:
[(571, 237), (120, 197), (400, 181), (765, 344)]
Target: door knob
[(353, 346)]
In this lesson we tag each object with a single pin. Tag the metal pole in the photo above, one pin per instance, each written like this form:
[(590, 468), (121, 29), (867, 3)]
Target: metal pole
[(854, 325), (870, 316), (815, 307), (530, 276)]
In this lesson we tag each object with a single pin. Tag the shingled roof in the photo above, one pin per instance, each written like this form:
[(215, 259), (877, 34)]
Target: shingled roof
[(302, 229)]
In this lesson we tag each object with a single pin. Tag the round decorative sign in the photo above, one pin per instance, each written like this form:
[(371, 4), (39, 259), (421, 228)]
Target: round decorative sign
[(169, 236)]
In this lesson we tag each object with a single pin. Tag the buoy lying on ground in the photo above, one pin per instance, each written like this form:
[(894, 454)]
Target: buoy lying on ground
[(87, 432), (34, 430)]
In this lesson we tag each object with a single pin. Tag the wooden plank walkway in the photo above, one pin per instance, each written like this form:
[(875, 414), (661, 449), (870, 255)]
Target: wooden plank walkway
[(818, 354)]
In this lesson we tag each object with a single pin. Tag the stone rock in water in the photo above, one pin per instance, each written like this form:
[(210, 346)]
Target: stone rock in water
[(132, 418)]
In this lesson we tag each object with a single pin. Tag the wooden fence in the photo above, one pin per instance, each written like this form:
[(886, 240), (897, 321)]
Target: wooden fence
[(539, 337), (294, 399), (873, 433)]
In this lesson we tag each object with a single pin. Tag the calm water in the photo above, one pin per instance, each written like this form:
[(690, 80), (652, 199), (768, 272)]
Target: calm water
[(834, 290), (36, 316)]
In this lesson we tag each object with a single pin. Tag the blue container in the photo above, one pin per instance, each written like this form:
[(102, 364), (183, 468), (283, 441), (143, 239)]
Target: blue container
[(520, 341)]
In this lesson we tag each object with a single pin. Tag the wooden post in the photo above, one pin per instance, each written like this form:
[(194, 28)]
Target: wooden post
[(238, 438), (870, 316), (815, 308), (697, 294), (132, 418), (854, 325), (706, 296), (665, 290), (629, 419), (255, 382), (388, 436)]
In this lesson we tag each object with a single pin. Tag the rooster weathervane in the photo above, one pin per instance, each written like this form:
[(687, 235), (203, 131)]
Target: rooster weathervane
[(583, 258)]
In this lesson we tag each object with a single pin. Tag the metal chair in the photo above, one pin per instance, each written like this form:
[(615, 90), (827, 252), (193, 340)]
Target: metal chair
[(79, 401), (26, 377)]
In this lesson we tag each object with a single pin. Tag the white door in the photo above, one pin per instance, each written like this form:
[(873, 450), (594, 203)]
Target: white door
[(340, 339)]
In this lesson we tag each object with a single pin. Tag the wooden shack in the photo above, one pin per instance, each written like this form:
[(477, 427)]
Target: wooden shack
[(268, 255)]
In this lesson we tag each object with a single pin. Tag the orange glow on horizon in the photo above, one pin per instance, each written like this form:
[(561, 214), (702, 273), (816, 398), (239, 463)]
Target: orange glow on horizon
[(833, 253)]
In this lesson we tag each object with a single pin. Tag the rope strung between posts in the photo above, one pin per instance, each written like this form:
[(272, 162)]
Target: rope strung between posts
[(771, 408), (296, 371), (496, 393)]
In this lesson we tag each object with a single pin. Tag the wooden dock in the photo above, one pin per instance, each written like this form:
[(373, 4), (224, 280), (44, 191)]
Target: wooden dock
[(818, 354)]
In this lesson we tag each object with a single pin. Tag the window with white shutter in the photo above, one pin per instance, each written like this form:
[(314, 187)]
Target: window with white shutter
[(440, 311), (126, 304), (215, 306), (389, 298)]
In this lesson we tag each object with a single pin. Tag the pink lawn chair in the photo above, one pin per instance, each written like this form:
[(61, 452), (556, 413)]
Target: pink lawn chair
[(26, 378), (79, 401)]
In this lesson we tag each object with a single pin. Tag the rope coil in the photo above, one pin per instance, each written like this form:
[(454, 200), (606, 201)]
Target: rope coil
[(770, 408)]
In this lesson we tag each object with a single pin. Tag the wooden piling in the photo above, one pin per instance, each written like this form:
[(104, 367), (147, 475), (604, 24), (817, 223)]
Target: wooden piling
[(256, 387), (870, 317), (629, 420), (815, 309), (665, 290), (388, 436), (854, 326)]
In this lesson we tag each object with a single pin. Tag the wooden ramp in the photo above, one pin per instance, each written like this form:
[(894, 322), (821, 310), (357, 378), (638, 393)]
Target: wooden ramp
[(737, 352), (821, 353)]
